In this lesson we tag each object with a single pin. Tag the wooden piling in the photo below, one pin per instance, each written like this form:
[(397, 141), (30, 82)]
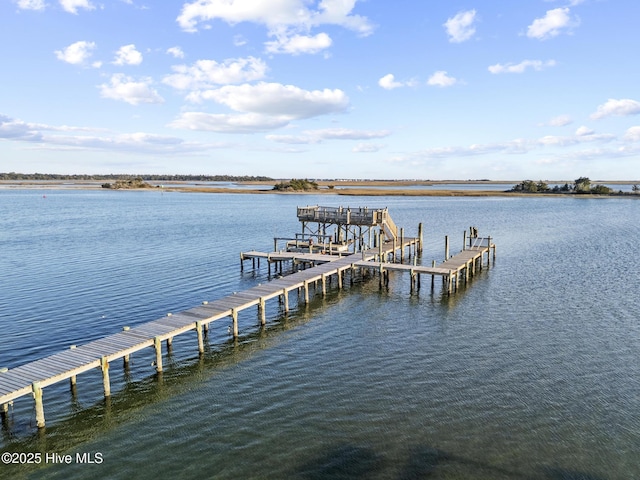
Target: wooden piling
[(37, 397), (420, 239), (72, 379), (263, 311), (104, 365), (157, 343), (401, 245), (446, 247), (200, 336), (234, 316)]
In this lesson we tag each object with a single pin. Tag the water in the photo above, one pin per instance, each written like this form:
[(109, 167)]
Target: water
[(530, 371)]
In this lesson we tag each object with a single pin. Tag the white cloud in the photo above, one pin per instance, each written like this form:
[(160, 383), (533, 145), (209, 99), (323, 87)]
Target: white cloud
[(31, 4), (222, 123), (207, 73), (367, 148), (460, 27), (126, 89), (516, 146), (145, 143), (521, 67), (560, 121), (318, 136), (583, 131), (175, 52), (72, 6), (613, 107), (632, 134), (128, 55), (388, 82), (278, 15), (552, 24), (275, 99), (76, 53), (298, 44), (441, 79)]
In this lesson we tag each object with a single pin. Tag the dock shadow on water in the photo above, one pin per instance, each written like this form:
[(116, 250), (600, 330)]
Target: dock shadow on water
[(359, 462)]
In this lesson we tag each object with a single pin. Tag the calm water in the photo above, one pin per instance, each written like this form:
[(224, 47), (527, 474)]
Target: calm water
[(531, 371)]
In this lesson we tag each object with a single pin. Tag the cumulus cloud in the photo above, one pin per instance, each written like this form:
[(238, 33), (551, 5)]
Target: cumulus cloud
[(128, 90), (207, 73), (521, 67), (175, 52), (277, 16), (72, 6), (388, 82), (223, 123), (583, 131), (460, 27), (128, 55), (275, 99), (620, 108), (297, 44), (552, 24), (441, 79), (76, 53), (632, 134), (31, 4)]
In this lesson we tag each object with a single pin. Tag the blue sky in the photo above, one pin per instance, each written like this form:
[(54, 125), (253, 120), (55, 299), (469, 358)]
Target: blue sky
[(533, 89)]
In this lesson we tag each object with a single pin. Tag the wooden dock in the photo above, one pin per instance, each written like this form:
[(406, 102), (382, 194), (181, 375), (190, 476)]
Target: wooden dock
[(318, 269)]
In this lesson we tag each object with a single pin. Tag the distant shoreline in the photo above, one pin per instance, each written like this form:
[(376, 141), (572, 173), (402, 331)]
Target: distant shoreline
[(495, 188)]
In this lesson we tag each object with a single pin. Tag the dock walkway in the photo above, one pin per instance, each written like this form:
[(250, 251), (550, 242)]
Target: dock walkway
[(31, 378)]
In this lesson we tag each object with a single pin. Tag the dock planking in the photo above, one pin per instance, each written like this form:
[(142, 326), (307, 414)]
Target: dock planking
[(31, 378)]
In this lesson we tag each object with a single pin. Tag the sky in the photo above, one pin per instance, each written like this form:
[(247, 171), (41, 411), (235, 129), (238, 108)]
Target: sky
[(366, 89)]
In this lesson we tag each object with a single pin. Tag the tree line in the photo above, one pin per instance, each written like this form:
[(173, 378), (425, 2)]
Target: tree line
[(581, 185), (126, 177)]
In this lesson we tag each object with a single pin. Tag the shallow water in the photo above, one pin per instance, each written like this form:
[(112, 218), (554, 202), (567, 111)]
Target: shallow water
[(532, 370)]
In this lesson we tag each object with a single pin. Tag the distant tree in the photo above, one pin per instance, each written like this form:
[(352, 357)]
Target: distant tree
[(635, 188), (601, 190), (529, 186), (582, 185)]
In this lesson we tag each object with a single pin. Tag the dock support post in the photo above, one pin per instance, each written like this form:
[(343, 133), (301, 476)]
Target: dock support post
[(285, 296), (157, 343), (324, 285), (72, 379), (339, 278), (104, 365), (420, 238), (306, 292), (263, 311), (402, 245), (464, 240), (234, 316), (446, 247), (241, 263), (200, 336), (125, 359), (488, 250), (433, 264), (37, 397)]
